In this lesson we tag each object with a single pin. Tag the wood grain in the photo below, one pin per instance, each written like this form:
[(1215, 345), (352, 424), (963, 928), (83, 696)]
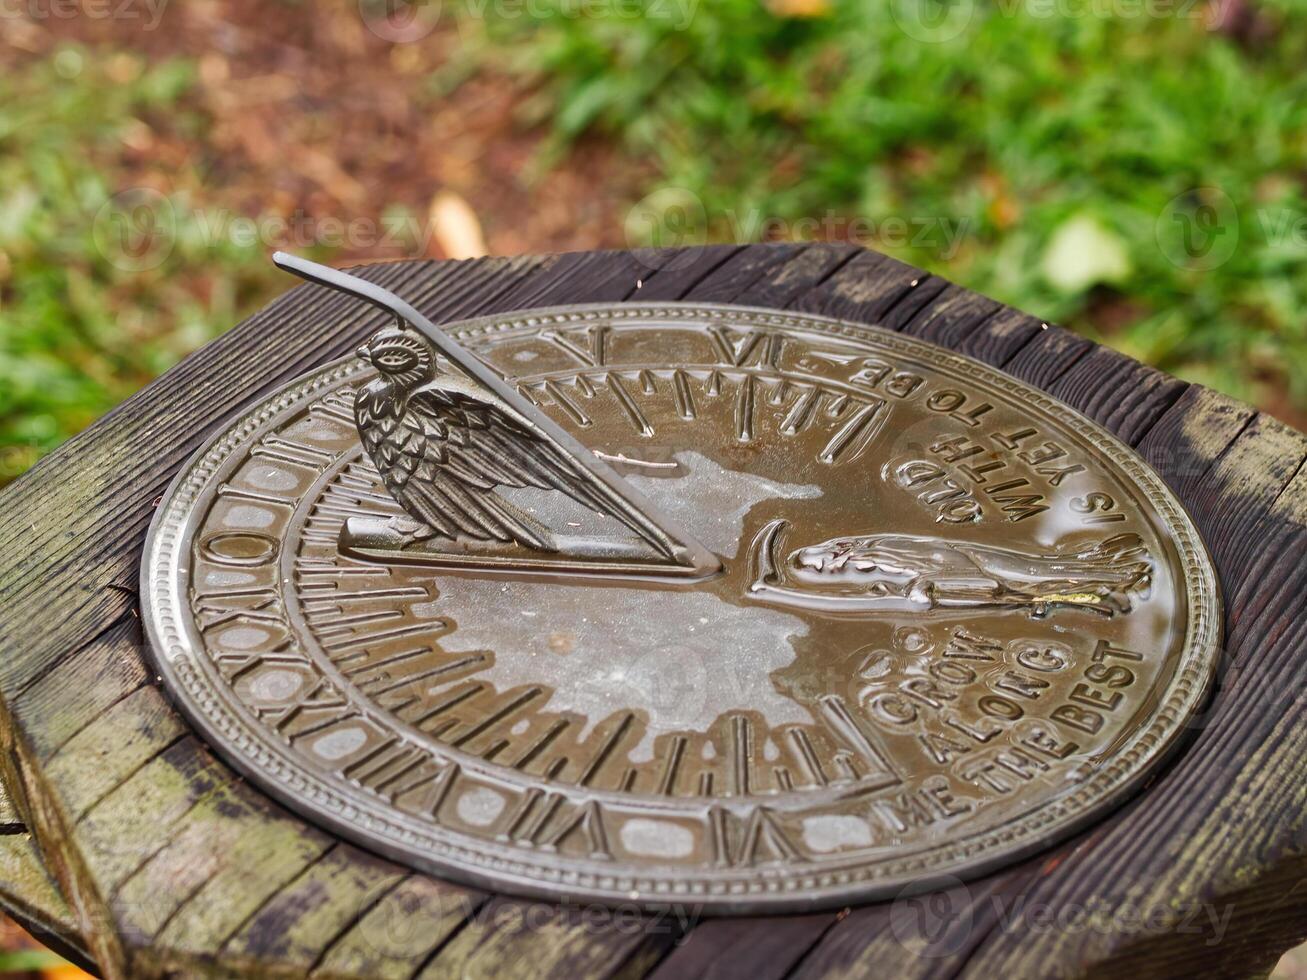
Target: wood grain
[(172, 864), (27, 892)]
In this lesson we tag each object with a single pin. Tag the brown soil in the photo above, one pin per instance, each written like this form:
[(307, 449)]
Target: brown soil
[(312, 116)]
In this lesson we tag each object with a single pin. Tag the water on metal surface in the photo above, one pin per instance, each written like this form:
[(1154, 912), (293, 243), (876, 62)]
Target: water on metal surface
[(953, 620)]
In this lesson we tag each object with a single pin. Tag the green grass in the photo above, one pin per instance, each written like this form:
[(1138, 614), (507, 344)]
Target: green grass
[(1060, 164), (1055, 163), (29, 960), (101, 287)]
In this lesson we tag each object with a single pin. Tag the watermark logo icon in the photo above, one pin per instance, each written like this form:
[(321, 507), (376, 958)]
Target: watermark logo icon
[(1199, 229), (932, 917), (136, 229), (670, 217), (400, 21), (933, 21)]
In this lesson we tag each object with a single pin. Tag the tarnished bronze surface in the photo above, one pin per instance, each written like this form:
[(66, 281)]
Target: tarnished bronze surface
[(953, 621)]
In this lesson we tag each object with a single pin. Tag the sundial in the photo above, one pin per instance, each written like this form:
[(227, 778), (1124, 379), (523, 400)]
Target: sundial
[(745, 609)]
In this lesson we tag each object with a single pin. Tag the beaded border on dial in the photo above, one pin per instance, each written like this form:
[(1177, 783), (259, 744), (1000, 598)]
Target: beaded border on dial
[(208, 707)]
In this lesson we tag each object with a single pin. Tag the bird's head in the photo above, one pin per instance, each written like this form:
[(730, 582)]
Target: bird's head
[(401, 356)]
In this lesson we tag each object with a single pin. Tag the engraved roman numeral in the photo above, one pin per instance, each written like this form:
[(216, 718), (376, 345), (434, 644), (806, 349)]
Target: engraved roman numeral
[(564, 401), (293, 452), (760, 348), (302, 717), (867, 745), (853, 436), (399, 771), (762, 839), (534, 810), (629, 405), (763, 835), (588, 346), (685, 406), (587, 821), (222, 606)]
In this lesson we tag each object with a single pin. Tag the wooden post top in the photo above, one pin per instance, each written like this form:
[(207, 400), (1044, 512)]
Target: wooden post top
[(171, 864)]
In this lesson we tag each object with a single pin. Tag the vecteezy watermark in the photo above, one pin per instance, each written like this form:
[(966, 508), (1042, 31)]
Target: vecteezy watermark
[(1104, 9), (938, 21), (936, 917), (17, 458), (136, 229), (1198, 229), (932, 917), (148, 12), (674, 217), (932, 21), (402, 930), (401, 21), (298, 230), (1201, 229), (139, 229), (671, 217)]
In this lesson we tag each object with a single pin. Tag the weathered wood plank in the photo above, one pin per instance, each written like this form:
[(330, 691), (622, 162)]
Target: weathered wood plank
[(402, 931), (10, 821), (183, 883), (999, 337), (760, 948), (672, 273), (328, 897), (27, 892), (1117, 392), (124, 738), (727, 282), (1257, 467), (1190, 437), (797, 275), (573, 941), (952, 316), (916, 304), (1046, 356), (864, 290), (596, 276), (103, 673)]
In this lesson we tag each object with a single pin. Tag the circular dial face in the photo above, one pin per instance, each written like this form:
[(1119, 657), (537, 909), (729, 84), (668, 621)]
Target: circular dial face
[(954, 619)]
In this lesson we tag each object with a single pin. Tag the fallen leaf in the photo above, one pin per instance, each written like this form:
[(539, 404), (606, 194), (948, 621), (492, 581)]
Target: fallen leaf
[(1082, 253), (455, 227), (65, 971), (799, 8)]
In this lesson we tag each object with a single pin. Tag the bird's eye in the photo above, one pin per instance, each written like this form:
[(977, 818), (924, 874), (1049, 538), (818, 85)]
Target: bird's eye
[(396, 360)]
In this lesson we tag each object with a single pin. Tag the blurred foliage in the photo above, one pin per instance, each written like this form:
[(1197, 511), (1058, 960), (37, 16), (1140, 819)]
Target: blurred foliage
[(101, 289), (1142, 179), (29, 960)]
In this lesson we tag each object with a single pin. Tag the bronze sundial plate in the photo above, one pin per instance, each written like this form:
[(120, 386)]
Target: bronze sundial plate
[(954, 620)]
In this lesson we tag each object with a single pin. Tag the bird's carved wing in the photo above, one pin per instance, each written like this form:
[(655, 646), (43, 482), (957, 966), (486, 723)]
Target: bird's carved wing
[(446, 454)]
